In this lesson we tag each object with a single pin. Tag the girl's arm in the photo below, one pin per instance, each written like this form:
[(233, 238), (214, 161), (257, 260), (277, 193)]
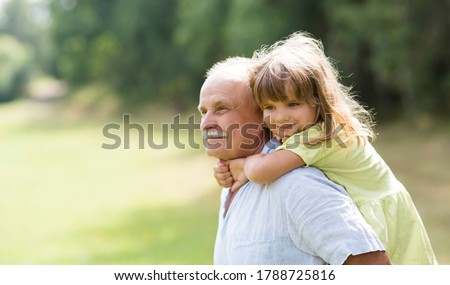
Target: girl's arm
[(265, 168), (262, 168)]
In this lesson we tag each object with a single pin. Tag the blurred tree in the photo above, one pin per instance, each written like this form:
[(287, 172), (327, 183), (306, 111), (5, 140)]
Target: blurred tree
[(252, 23), (14, 60), (127, 44), (25, 23), (149, 60), (18, 20), (159, 50), (28, 22), (81, 31), (394, 49), (199, 38)]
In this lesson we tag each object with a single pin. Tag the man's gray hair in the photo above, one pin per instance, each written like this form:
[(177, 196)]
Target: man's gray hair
[(234, 68)]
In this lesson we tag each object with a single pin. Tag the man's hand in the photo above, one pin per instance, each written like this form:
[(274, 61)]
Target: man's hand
[(222, 174), (236, 167)]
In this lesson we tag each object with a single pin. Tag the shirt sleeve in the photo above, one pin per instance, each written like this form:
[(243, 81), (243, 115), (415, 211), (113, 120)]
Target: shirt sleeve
[(323, 219)]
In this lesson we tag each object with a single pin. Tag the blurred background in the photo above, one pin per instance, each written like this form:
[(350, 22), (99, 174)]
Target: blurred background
[(68, 68)]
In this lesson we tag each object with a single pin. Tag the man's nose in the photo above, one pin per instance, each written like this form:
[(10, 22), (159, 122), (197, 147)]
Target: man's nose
[(207, 119)]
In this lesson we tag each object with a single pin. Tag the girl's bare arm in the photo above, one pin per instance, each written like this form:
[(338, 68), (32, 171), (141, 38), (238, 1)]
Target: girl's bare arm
[(265, 168)]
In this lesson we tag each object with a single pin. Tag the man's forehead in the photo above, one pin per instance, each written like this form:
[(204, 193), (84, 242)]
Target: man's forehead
[(231, 74), (215, 99), (217, 85), (220, 86), (224, 87)]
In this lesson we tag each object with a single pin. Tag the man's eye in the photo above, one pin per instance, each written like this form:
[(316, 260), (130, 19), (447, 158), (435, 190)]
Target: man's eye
[(221, 108)]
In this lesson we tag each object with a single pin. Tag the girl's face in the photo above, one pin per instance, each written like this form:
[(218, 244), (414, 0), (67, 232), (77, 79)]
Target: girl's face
[(286, 118)]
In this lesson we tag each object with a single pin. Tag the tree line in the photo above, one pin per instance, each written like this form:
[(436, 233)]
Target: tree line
[(394, 52)]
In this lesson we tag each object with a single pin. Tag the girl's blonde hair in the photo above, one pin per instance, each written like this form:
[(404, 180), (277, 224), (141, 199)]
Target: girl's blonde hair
[(298, 65)]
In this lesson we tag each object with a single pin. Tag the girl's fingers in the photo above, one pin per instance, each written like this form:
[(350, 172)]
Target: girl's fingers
[(227, 182), (222, 176), (221, 169)]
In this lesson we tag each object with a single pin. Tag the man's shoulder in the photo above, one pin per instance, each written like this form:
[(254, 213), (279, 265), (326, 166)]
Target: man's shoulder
[(301, 175), (307, 179)]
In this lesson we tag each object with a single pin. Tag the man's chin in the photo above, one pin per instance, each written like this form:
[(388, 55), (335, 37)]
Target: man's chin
[(215, 153), (220, 154)]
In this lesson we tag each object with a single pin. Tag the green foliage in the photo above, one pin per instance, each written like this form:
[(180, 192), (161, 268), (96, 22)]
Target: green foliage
[(393, 52), (81, 31), (18, 21), (14, 60), (396, 51), (200, 31), (65, 200), (254, 23), (28, 22)]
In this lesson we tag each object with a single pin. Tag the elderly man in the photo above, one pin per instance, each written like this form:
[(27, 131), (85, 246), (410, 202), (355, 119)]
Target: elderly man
[(302, 217)]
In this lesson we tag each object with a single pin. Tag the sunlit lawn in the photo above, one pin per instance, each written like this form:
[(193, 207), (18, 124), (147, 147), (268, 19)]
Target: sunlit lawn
[(65, 200), (420, 158)]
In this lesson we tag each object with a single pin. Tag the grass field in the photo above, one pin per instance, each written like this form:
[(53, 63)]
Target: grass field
[(65, 200)]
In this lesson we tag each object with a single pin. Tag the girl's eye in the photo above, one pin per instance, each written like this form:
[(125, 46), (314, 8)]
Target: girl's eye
[(294, 104), (268, 107)]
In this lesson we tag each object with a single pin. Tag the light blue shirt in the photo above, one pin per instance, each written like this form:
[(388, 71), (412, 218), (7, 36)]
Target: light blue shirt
[(300, 218)]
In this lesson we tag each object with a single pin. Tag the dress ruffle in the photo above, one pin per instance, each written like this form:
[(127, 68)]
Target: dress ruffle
[(396, 221)]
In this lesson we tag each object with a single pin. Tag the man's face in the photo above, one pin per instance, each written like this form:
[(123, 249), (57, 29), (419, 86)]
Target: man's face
[(231, 123)]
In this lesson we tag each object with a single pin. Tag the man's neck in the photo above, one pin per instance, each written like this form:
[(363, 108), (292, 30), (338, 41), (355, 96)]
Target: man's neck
[(266, 137)]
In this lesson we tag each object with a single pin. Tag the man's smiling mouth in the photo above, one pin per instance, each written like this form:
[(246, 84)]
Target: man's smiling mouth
[(214, 134)]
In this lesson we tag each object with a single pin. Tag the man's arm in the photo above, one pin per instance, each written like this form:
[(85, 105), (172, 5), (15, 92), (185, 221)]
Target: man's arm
[(327, 220), (369, 258)]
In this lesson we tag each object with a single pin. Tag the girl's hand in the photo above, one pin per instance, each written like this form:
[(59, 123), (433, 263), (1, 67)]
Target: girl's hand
[(222, 174), (236, 167)]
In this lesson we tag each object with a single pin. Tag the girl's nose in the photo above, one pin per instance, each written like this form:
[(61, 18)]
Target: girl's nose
[(280, 117)]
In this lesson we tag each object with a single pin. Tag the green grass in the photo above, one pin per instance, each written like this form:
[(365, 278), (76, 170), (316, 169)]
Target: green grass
[(65, 200), (420, 159)]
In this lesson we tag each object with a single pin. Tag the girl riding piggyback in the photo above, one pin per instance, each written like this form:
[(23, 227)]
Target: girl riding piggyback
[(320, 124)]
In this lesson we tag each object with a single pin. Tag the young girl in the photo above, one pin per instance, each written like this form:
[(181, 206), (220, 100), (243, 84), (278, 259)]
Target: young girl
[(320, 124)]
